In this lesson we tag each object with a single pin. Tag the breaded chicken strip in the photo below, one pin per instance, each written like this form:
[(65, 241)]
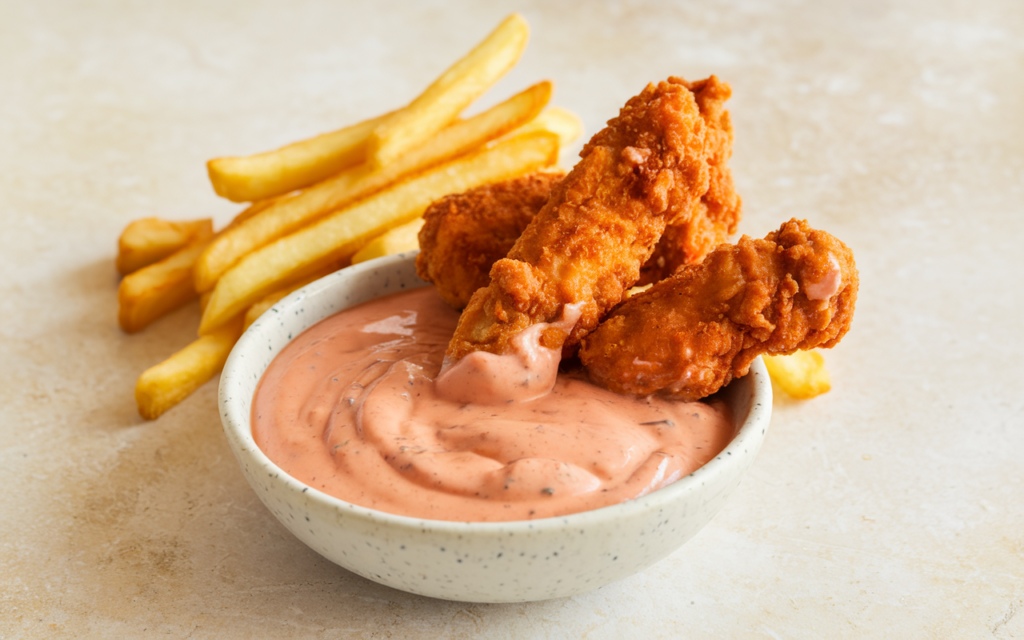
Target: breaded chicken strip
[(690, 334), (650, 167), (688, 241), (718, 214), (464, 234)]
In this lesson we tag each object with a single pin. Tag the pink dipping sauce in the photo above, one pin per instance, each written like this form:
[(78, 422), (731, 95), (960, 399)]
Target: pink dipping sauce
[(349, 407), (828, 285)]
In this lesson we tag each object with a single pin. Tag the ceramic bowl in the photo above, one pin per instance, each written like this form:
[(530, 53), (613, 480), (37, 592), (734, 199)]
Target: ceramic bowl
[(471, 561)]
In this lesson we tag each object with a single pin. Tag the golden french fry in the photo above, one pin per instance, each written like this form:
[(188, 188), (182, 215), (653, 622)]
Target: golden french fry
[(150, 240), (289, 215), (255, 311), (563, 123), (252, 210), (161, 387), (261, 307), (399, 239), (157, 289), (152, 291), (341, 234), (637, 290), (298, 165), (802, 374), (457, 87)]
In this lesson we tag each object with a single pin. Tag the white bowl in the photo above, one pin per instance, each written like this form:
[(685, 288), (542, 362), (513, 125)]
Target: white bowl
[(471, 561)]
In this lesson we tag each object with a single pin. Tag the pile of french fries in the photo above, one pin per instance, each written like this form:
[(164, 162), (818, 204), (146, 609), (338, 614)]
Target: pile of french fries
[(321, 204)]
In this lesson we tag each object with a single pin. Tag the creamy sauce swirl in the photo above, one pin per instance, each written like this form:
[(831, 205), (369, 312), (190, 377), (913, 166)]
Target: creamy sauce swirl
[(351, 408)]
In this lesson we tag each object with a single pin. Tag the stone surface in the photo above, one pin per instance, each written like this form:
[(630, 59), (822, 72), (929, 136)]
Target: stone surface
[(891, 506)]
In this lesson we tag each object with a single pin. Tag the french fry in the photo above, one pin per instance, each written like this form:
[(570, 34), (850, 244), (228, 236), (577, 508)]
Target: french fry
[(802, 375), (298, 165), (150, 240), (162, 386), (563, 123), (261, 307), (161, 287), (635, 291), (399, 239), (252, 210), (255, 311), (341, 234), (286, 216), (157, 289), (457, 87)]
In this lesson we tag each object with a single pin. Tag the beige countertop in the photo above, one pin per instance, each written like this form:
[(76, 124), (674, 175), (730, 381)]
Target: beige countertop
[(891, 507)]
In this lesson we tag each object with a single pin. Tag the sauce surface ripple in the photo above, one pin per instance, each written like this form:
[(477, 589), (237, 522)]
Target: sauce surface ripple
[(349, 408)]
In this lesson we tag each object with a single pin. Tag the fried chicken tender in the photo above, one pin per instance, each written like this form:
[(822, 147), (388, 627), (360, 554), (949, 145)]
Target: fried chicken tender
[(464, 234), (716, 218), (691, 334), (650, 167)]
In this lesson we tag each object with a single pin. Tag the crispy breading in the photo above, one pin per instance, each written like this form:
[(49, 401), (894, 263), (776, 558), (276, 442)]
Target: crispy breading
[(690, 239), (692, 333), (650, 167), (464, 234)]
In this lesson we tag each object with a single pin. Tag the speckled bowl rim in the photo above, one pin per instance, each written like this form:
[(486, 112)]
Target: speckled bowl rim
[(235, 416)]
